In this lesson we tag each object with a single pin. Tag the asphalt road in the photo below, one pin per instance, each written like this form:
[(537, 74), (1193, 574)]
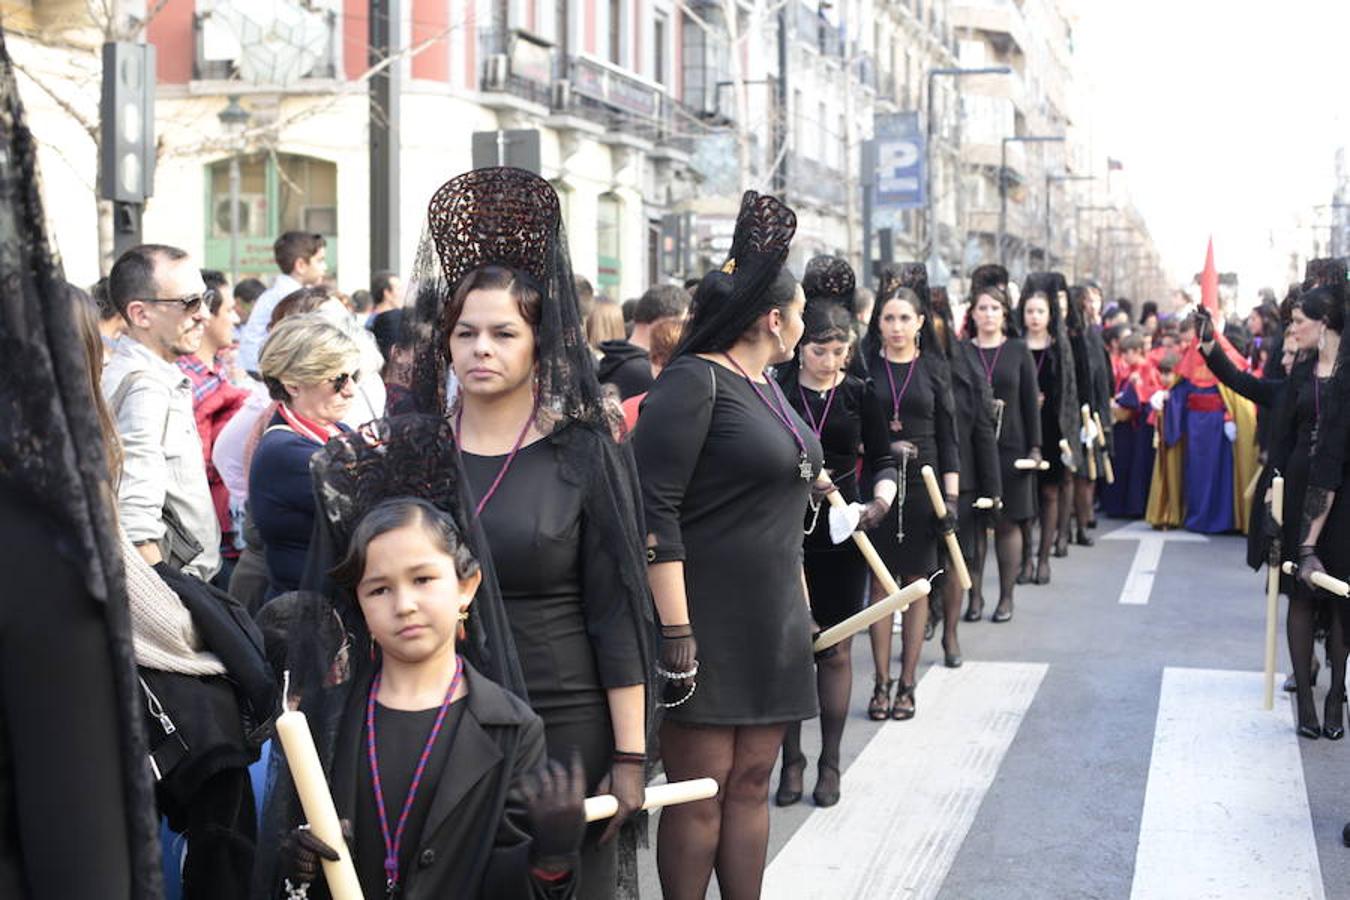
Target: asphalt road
[(1090, 748)]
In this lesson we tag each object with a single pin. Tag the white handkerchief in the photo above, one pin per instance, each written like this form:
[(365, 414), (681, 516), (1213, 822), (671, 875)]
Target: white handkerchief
[(844, 522)]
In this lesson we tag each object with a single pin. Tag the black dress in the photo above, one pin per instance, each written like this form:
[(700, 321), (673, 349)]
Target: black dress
[(1047, 379), (1011, 372), (836, 574), (980, 475), (569, 613), (1330, 471), (924, 410), (722, 491)]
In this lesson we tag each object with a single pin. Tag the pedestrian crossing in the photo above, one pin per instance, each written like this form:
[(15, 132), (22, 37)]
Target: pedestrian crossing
[(1225, 811)]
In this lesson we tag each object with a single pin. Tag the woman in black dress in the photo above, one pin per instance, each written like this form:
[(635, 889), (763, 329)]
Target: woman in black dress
[(1093, 374), (1042, 325), (845, 413), (726, 467), (1009, 370), (1296, 435), (555, 494), (916, 388)]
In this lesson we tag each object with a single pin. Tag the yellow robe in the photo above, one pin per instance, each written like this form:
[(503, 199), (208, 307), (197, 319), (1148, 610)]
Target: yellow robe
[(1245, 462)]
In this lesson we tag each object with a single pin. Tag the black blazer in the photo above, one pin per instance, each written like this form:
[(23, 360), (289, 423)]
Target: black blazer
[(975, 424), (476, 840)]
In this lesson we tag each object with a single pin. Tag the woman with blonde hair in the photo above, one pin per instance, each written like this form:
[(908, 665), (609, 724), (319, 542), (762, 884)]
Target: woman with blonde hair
[(311, 368)]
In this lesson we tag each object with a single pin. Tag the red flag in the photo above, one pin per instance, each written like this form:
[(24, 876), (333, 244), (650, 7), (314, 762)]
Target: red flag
[(1209, 281)]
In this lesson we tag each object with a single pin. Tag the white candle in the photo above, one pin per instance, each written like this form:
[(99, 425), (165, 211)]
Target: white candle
[(310, 784), (606, 805)]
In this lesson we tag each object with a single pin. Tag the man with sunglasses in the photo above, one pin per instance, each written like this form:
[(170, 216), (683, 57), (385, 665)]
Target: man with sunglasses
[(163, 499)]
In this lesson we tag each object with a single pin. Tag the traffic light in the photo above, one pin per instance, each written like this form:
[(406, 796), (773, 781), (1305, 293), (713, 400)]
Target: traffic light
[(127, 122)]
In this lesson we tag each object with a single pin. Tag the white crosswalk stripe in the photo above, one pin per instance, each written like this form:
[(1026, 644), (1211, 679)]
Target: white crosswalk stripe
[(1226, 811), (912, 794)]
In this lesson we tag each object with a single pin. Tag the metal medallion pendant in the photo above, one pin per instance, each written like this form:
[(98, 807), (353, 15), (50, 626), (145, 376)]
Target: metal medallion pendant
[(804, 469), (896, 426)]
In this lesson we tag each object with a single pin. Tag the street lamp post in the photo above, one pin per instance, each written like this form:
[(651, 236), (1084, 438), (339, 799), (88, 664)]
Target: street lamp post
[(233, 119), (1050, 179), (1003, 184), (955, 72), (1078, 211)]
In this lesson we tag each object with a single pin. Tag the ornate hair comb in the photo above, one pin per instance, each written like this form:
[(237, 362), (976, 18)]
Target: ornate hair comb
[(498, 216), (764, 227), (828, 276)]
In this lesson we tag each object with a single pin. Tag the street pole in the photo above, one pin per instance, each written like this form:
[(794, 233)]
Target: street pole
[(930, 219), (386, 89), (233, 120), (1003, 184), (1049, 200)]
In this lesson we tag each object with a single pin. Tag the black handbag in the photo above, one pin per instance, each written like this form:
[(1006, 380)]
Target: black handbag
[(230, 633)]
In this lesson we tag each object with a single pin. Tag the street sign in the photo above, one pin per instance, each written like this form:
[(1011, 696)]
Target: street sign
[(899, 172)]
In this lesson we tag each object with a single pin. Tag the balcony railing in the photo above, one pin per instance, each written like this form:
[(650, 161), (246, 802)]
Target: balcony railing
[(613, 98), (518, 64)]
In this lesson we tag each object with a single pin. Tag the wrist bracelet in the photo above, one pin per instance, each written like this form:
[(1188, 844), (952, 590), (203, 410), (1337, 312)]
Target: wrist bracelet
[(620, 756), (678, 676)]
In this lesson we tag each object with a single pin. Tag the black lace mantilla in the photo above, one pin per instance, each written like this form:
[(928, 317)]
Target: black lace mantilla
[(764, 227), (498, 216)]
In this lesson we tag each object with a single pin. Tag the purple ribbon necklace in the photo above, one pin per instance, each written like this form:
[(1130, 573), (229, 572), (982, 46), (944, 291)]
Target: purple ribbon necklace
[(810, 417), (393, 843), (782, 412), (510, 457), (990, 366), (896, 396)]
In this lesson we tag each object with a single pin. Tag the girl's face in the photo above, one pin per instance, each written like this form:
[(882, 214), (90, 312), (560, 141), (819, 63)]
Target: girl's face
[(1304, 331), (788, 325), (824, 361), (900, 322), (492, 346), (1255, 324), (1036, 314), (411, 596), (989, 315)]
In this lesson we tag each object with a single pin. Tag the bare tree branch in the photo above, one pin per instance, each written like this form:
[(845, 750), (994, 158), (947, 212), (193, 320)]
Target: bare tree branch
[(90, 127)]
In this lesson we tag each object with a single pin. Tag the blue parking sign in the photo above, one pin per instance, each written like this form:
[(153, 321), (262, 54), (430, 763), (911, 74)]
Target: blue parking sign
[(899, 178)]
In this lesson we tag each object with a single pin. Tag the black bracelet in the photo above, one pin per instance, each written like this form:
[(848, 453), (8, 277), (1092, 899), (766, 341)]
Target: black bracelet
[(677, 631), (620, 756)]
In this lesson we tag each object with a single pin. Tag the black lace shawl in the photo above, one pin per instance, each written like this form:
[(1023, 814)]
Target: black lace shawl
[(51, 446)]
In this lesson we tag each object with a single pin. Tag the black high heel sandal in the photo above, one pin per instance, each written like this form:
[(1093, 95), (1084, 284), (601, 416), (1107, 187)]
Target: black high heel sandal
[(1042, 572), (974, 612), (1003, 614), (1308, 726), (1083, 540), (879, 707), (900, 710), (790, 790), (1060, 549)]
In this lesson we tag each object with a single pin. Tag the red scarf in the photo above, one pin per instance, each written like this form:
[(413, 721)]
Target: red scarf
[(310, 429)]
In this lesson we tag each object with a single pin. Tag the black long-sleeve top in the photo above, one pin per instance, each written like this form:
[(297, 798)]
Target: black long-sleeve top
[(975, 430), (926, 411), (1011, 373), (856, 419), (1262, 392)]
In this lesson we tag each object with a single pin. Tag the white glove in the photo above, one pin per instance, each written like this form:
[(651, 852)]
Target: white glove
[(1230, 431), (843, 522), (1157, 400)]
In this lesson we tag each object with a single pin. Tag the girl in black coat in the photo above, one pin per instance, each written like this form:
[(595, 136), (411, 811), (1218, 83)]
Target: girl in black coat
[(440, 771)]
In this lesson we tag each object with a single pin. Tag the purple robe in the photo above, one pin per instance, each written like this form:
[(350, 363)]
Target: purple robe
[(1132, 458), (1207, 468)]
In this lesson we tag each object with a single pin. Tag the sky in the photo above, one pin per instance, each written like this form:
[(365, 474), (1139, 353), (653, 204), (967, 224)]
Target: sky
[(1226, 115)]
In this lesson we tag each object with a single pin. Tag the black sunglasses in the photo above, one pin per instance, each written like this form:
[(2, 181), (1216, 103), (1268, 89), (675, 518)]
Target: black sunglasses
[(190, 302), (340, 381)]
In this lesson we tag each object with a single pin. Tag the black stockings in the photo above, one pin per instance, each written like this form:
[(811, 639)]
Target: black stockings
[(912, 622), (976, 566), (1083, 490), (1050, 508), (728, 834), (834, 684), (1008, 547), (1065, 513), (951, 609), (1299, 627)]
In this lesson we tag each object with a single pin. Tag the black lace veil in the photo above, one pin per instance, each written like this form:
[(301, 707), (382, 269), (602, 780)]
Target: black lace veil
[(831, 278), (51, 444)]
